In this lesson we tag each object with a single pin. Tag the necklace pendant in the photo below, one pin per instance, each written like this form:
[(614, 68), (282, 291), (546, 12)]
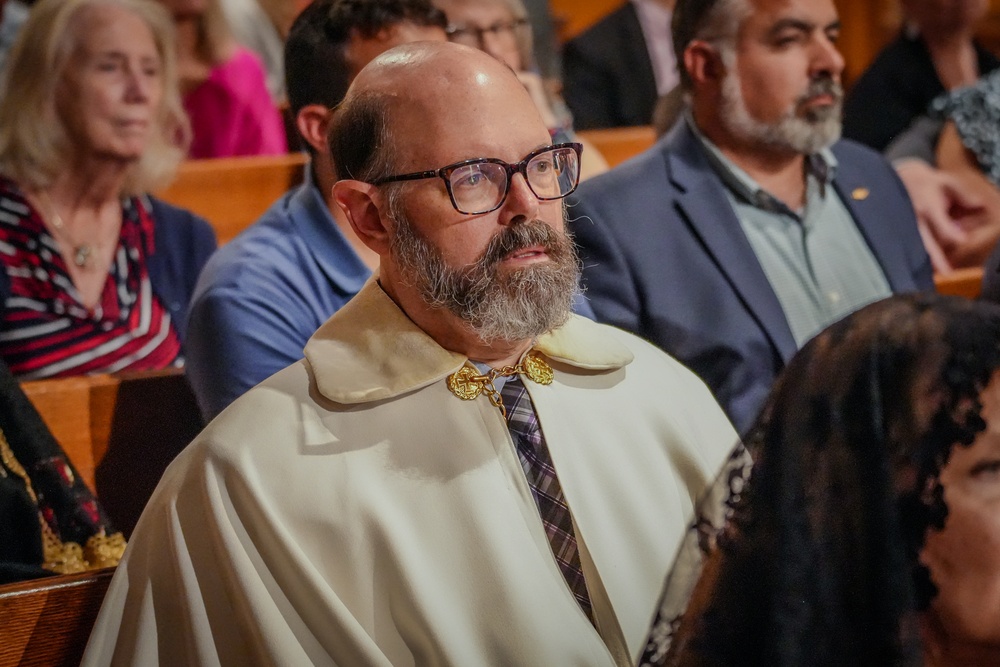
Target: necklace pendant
[(466, 383), (537, 369), (81, 255)]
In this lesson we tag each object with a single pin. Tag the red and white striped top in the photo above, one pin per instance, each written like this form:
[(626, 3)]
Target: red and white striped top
[(47, 332)]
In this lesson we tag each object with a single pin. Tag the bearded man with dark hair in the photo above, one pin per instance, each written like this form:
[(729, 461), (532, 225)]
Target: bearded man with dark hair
[(749, 227)]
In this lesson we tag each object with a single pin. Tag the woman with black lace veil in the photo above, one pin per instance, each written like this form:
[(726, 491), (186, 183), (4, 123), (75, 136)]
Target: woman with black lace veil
[(869, 532)]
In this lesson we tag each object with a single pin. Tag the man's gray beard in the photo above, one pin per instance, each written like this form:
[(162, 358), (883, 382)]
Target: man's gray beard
[(819, 129), (510, 305)]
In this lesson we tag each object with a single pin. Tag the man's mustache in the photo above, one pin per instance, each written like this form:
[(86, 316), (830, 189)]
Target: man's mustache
[(519, 236), (824, 85)]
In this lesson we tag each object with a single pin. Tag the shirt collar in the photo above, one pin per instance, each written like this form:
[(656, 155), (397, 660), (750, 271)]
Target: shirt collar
[(654, 20), (370, 350), (328, 245), (821, 165), (659, 8)]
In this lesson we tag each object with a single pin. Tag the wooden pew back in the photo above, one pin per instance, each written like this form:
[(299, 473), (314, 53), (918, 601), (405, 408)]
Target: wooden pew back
[(80, 427), (231, 193), (46, 622), (120, 431), (961, 282), (618, 144)]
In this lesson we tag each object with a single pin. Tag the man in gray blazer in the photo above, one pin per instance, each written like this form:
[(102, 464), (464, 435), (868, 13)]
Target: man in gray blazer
[(748, 227)]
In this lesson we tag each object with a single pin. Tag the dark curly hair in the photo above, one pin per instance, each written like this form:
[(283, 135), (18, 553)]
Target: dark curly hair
[(820, 563)]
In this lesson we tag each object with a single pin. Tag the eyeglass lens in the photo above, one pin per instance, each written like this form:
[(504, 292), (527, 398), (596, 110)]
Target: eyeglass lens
[(473, 35), (482, 186)]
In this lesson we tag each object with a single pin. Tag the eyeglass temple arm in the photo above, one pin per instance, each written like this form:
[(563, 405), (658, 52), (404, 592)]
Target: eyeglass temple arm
[(415, 176)]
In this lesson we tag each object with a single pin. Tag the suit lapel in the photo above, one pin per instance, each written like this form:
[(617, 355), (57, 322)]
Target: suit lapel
[(866, 203), (704, 206)]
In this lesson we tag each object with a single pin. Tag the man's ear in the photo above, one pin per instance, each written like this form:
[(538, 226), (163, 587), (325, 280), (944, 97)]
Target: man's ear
[(703, 63), (312, 122), (361, 204)]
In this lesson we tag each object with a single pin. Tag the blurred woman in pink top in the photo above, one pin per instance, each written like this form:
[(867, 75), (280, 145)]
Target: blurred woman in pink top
[(223, 85)]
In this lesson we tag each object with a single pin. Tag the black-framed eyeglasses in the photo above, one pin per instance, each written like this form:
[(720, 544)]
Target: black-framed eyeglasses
[(481, 185), (471, 35)]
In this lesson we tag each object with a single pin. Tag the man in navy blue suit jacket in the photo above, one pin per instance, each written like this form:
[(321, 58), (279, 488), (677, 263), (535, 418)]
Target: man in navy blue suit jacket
[(748, 227), (608, 76)]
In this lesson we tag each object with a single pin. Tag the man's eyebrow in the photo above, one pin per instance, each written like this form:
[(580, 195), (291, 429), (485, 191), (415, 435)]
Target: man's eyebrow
[(800, 25), (791, 24)]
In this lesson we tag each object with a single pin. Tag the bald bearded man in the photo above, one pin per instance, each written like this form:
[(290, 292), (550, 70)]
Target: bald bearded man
[(391, 499)]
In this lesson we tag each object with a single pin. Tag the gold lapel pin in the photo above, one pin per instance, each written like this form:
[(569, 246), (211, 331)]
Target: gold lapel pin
[(860, 194)]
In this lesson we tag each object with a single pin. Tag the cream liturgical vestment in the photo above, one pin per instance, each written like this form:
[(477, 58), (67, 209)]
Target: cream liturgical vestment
[(351, 510)]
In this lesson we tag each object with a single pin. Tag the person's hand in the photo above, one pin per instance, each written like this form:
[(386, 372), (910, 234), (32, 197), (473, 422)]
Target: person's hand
[(941, 203), (536, 88)]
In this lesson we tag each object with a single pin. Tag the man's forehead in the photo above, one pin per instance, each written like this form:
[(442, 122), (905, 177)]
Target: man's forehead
[(451, 128), (771, 14), (454, 96), (478, 12), (429, 136), (435, 78)]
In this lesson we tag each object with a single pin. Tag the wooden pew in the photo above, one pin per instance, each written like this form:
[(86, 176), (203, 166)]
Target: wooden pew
[(231, 193), (46, 622), (120, 431), (618, 144), (961, 282), (66, 406), (574, 16)]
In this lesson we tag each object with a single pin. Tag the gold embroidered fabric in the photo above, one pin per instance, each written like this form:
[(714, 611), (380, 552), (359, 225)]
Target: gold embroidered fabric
[(65, 557)]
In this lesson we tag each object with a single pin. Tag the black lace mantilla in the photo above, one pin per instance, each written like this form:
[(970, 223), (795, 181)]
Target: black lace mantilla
[(818, 564)]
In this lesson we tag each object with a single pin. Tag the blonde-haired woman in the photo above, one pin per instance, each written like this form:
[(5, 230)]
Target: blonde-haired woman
[(223, 85), (94, 275)]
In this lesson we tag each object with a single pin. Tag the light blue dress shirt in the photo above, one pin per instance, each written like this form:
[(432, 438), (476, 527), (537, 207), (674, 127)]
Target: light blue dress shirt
[(261, 297), (816, 259)]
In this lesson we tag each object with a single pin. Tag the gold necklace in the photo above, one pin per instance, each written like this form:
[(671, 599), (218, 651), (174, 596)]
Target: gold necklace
[(467, 383), (83, 253)]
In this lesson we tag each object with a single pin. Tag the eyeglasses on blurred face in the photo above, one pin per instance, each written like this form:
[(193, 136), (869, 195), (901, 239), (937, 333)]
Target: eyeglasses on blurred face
[(475, 36)]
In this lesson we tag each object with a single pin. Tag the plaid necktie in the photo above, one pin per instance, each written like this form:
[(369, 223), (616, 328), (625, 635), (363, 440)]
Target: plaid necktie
[(534, 456)]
